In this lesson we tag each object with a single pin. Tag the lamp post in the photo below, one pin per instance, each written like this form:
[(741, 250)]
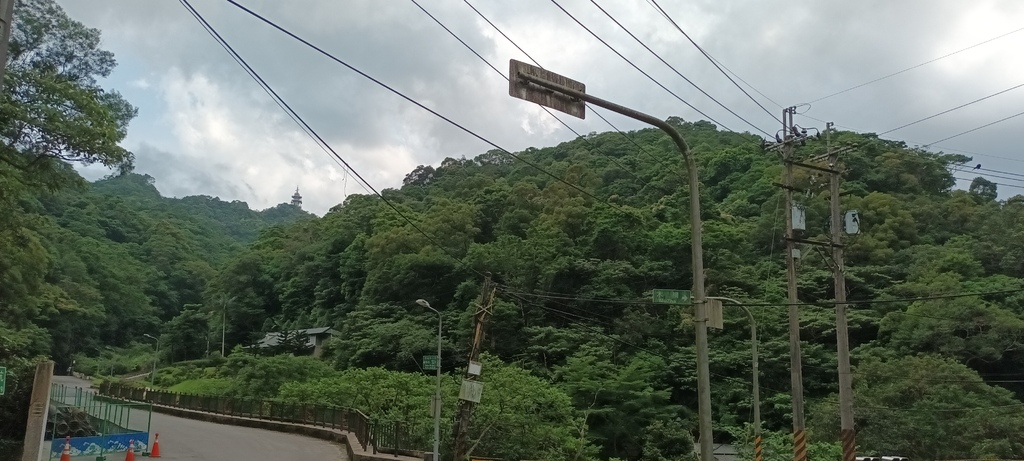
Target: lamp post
[(155, 357), (223, 322), (437, 389), (756, 386)]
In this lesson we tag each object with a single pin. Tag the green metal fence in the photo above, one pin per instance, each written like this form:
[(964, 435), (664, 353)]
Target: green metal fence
[(377, 436), (94, 424)]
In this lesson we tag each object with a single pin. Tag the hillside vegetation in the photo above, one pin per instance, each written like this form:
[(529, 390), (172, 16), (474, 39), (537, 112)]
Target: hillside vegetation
[(578, 363)]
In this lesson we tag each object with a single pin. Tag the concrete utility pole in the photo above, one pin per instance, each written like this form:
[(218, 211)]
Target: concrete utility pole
[(847, 432), (36, 425), (795, 365), (466, 406), (560, 93), (6, 18)]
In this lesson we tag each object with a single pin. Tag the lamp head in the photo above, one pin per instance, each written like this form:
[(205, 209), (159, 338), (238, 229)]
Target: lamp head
[(423, 303)]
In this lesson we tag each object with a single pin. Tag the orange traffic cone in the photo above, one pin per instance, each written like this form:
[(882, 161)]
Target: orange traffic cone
[(66, 455), (155, 453), (131, 451)]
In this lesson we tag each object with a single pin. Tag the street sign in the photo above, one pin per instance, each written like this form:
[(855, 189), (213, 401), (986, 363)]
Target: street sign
[(715, 319), (3, 379), (474, 368), (519, 88), (429, 362), (471, 391), (662, 296)]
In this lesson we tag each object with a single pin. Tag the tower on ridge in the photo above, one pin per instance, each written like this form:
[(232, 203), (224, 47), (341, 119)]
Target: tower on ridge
[(296, 198)]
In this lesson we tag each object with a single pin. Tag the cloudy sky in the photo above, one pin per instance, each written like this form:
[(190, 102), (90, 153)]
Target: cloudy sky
[(204, 126)]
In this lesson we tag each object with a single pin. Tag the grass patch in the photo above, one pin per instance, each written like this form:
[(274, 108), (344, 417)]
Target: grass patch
[(203, 386)]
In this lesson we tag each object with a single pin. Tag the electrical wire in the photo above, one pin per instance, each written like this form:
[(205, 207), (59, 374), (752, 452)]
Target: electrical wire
[(641, 348), (996, 183), (642, 71), (431, 111), (266, 86), (502, 75), (975, 129), (916, 66), (950, 110), (670, 66), (262, 84), (534, 61), (824, 304), (715, 62)]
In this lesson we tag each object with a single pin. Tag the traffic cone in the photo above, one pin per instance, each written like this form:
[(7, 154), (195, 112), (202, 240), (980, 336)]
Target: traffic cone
[(155, 453), (66, 455), (131, 451)]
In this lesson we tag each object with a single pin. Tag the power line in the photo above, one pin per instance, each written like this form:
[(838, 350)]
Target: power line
[(950, 110), (715, 62), (282, 103), (641, 70), (975, 129), (262, 84), (594, 110), (996, 183), (670, 66), (916, 66), (431, 111), (502, 75)]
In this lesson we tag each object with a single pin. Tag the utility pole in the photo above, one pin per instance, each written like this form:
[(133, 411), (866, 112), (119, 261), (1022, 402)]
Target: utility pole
[(847, 432), (796, 368), (465, 406), (6, 18)]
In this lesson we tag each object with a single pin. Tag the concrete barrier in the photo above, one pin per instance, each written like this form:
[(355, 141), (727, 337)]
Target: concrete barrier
[(355, 452)]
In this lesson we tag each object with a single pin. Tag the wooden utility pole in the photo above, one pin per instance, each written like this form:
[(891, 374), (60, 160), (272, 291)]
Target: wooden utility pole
[(847, 432), (483, 310), (6, 18), (795, 365)]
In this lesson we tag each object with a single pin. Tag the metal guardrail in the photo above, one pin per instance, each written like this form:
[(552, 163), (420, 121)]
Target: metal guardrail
[(372, 435)]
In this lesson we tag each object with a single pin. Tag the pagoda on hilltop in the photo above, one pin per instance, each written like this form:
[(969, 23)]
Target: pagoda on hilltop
[(296, 198)]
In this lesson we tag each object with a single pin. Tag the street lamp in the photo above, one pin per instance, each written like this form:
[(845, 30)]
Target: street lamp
[(155, 357), (560, 93), (223, 321), (437, 390), (757, 390)]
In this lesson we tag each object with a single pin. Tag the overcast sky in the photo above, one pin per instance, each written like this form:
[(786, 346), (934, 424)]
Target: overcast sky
[(204, 127)]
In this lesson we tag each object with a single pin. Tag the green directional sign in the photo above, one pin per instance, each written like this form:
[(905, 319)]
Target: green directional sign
[(3, 379), (429, 362), (662, 296)]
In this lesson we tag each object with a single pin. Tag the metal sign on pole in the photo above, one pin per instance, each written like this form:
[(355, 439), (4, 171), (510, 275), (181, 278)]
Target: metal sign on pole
[(519, 88), (471, 391), (526, 82), (429, 362)]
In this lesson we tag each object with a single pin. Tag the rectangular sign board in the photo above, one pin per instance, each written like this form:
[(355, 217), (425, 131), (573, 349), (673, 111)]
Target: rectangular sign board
[(3, 379), (662, 296), (518, 88), (471, 391), (429, 362)]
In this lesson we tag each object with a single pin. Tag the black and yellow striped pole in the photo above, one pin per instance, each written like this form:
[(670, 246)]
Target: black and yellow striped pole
[(800, 445)]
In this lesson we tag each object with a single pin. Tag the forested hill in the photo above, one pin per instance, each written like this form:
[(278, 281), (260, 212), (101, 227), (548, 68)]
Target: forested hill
[(575, 261), (108, 261)]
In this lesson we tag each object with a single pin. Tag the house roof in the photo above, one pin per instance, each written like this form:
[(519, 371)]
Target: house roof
[(274, 338)]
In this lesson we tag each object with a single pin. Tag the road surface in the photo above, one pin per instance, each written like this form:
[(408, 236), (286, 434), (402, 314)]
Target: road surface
[(186, 439)]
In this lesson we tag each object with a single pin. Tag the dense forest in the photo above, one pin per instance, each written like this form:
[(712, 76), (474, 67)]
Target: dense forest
[(579, 364)]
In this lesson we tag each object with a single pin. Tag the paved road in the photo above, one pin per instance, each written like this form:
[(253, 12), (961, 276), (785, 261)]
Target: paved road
[(186, 439)]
